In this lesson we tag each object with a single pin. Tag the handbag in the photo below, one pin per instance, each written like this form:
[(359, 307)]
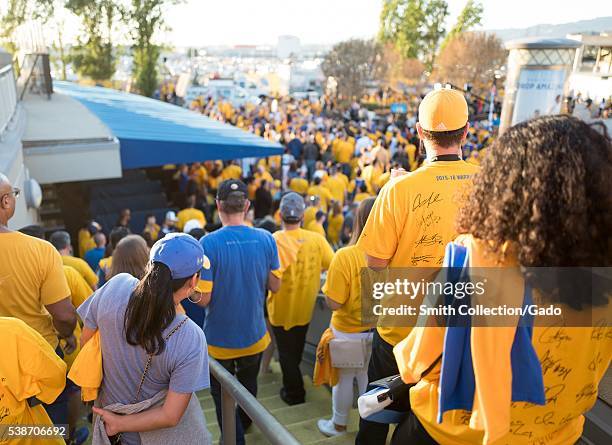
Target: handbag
[(350, 353), (116, 439)]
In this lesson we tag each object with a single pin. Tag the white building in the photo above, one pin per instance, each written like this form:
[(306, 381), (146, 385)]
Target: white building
[(592, 71), (288, 46)]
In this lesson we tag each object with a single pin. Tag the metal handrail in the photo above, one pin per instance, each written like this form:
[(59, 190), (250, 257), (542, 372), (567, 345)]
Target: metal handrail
[(232, 393)]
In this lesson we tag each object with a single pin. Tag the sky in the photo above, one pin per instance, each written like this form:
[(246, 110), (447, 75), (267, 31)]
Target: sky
[(198, 23), (230, 22)]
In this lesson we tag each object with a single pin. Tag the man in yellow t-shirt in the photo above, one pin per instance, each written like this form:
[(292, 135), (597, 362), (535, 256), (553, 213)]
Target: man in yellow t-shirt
[(336, 185), (32, 284), (30, 370), (313, 206), (413, 219), (61, 241), (189, 213), (316, 225), (303, 255), (318, 190)]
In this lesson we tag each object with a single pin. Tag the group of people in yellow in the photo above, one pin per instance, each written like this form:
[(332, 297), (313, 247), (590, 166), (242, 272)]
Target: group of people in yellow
[(381, 211)]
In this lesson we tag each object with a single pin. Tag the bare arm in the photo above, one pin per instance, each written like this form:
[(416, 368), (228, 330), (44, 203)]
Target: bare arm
[(86, 335), (64, 316), (377, 264), (274, 282), (334, 306), (166, 416)]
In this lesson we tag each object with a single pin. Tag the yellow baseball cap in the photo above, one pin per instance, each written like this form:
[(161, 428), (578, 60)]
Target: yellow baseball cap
[(443, 109)]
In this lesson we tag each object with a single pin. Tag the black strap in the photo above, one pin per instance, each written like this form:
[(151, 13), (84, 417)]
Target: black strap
[(446, 158)]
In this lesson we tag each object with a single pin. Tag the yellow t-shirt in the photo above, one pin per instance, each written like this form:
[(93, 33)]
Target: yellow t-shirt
[(188, 214), (31, 277), (344, 151), (232, 172), (314, 226), (79, 292), (336, 187), (29, 368), (309, 215), (343, 285), (361, 196), (334, 227), (370, 175), (413, 219), (573, 359), (105, 265), (322, 193), (81, 267), (293, 304), (86, 242), (299, 185)]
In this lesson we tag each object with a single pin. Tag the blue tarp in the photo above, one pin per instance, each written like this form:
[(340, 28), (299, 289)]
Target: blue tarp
[(153, 133)]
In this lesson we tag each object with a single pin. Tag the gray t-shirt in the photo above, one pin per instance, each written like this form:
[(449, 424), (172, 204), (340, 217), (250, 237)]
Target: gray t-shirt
[(182, 367)]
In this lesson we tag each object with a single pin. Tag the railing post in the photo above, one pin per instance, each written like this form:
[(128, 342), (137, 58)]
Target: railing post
[(228, 417)]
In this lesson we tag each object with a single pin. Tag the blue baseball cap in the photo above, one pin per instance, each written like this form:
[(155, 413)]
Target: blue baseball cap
[(182, 253)]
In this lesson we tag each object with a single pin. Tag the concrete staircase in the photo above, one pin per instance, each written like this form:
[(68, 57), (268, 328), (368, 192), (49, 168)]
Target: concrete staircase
[(300, 420)]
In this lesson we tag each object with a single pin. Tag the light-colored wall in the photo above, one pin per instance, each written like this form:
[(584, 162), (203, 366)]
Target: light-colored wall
[(74, 162)]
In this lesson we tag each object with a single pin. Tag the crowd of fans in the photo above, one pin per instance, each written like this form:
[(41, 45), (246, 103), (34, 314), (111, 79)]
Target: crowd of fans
[(236, 272)]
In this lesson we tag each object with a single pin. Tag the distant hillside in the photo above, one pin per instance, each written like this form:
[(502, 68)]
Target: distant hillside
[(554, 31)]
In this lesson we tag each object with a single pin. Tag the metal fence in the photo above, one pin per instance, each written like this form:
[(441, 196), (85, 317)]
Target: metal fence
[(232, 393), (8, 96)]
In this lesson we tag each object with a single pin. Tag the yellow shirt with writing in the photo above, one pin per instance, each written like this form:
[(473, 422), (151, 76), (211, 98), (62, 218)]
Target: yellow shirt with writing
[(413, 219), (573, 360), (31, 277), (29, 367), (343, 285), (322, 193), (188, 214), (81, 267), (293, 304)]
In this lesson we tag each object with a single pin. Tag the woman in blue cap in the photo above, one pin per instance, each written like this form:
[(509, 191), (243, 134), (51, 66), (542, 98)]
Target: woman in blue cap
[(153, 359)]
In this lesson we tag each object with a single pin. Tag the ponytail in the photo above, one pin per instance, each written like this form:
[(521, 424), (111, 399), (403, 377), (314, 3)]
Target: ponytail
[(151, 308)]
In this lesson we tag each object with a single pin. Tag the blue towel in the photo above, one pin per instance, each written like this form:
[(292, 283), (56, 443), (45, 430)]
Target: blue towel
[(457, 383)]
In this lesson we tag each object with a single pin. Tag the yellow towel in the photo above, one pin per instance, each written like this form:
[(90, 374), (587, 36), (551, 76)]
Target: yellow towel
[(324, 372), (86, 370)]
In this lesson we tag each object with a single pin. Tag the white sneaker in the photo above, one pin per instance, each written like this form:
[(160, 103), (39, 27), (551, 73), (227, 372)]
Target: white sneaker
[(328, 429)]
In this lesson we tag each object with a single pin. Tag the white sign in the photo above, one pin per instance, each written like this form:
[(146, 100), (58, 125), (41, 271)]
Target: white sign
[(539, 92)]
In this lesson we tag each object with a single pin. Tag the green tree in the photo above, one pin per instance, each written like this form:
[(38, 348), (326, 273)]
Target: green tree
[(145, 18), (93, 56), (470, 16), (415, 27), (353, 64), (17, 12)]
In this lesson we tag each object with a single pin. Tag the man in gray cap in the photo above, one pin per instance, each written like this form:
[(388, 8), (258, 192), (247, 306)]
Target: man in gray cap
[(303, 256)]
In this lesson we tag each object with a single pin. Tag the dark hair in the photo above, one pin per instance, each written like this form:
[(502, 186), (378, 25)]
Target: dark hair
[(234, 203), (60, 240), (445, 139), (116, 235), (151, 308), (360, 218), (316, 180), (33, 230), (545, 187)]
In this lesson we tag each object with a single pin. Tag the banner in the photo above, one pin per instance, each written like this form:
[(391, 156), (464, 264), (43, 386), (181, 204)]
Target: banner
[(539, 93)]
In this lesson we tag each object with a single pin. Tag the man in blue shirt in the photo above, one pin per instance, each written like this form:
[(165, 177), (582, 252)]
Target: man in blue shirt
[(93, 256), (243, 266)]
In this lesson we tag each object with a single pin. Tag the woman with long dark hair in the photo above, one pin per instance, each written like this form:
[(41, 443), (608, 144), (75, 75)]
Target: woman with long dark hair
[(542, 201), (149, 352), (342, 291)]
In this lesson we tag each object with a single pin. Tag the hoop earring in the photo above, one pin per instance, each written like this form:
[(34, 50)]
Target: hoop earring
[(196, 301)]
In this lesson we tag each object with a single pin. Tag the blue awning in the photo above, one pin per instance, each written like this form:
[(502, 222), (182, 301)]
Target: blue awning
[(153, 133)]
